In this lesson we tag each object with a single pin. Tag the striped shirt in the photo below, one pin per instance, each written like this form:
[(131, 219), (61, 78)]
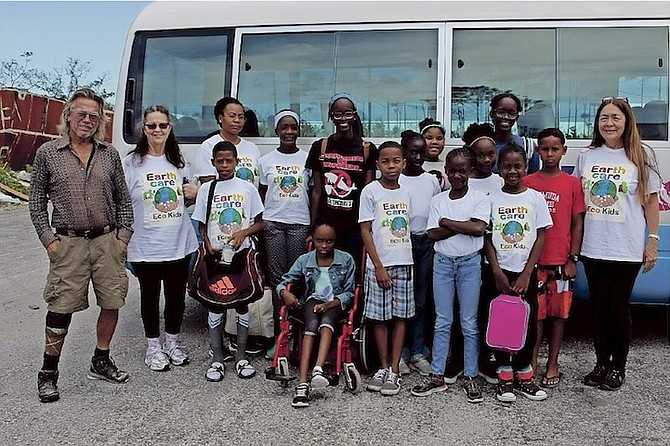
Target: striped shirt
[(83, 197)]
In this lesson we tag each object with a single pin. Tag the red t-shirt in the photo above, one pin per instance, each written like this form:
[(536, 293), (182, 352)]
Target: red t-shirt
[(565, 198)]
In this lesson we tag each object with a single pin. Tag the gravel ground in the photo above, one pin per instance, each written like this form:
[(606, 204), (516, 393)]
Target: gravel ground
[(180, 407)]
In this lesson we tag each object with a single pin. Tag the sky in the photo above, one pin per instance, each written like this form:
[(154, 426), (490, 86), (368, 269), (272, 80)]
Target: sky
[(92, 31)]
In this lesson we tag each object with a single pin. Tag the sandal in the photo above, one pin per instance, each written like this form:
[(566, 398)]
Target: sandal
[(215, 372), (244, 369), (549, 382)]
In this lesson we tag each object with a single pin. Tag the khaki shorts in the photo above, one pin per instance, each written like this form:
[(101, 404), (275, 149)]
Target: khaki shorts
[(78, 261)]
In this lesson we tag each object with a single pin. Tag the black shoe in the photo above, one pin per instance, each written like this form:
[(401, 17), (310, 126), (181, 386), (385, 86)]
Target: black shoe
[(487, 370), (301, 398), (596, 377), (452, 372), (613, 380), (46, 386), (103, 367), (227, 354)]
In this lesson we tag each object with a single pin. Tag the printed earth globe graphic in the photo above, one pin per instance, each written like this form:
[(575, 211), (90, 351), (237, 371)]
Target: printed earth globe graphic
[(288, 184), (399, 227), (244, 173), (512, 232), (230, 221), (165, 199), (603, 193)]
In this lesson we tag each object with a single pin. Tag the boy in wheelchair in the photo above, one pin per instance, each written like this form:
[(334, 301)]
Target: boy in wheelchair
[(328, 276)]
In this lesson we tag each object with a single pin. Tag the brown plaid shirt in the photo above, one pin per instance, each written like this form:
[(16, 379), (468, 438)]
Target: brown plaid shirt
[(83, 197)]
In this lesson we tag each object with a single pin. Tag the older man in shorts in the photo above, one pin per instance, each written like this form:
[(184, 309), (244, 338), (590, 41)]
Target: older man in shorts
[(87, 238)]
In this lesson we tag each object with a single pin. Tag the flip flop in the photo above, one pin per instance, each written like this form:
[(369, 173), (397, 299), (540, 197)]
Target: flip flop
[(549, 382)]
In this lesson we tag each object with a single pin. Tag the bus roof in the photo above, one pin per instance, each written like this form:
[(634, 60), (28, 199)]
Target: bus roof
[(187, 15)]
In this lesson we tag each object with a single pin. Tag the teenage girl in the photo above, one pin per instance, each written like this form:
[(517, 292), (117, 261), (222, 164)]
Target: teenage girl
[(519, 218), (433, 133), (457, 221), (505, 109), (328, 274), (230, 115), (342, 165), (481, 139), (284, 189), (424, 187), (163, 236)]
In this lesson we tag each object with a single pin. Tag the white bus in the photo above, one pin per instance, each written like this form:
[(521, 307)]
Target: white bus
[(404, 61)]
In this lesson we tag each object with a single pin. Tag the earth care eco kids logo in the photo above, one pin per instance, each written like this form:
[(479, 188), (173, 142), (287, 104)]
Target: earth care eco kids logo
[(288, 179), (246, 169), (512, 225), (603, 185), (163, 198), (395, 220), (228, 215)]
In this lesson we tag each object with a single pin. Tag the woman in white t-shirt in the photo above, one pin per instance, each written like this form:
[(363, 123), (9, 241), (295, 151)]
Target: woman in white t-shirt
[(284, 189), (229, 113), (620, 179), (163, 237)]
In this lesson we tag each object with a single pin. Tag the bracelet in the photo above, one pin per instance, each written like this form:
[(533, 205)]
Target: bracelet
[(655, 237)]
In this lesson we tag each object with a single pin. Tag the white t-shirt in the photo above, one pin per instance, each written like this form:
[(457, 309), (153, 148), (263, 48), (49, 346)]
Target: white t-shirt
[(486, 185), (287, 179), (235, 205), (473, 204), (421, 188), (247, 156), (162, 227), (515, 219), (389, 211), (614, 224)]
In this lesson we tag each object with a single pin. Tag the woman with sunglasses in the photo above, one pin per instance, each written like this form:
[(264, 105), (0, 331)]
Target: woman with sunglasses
[(505, 108), (342, 165), (163, 237), (620, 178)]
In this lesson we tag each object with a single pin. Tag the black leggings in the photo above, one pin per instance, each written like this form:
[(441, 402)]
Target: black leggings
[(610, 285), (173, 274)]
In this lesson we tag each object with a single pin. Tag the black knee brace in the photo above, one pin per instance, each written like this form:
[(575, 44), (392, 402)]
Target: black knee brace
[(58, 320)]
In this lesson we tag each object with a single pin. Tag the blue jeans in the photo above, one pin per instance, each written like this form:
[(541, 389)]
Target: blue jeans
[(422, 253), (456, 276)]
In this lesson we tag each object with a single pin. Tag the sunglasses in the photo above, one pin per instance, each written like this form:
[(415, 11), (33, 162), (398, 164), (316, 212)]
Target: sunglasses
[(162, 125), (612, 98)]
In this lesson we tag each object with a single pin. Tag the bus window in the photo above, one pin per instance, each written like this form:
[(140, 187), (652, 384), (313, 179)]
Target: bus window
[(538, 64), (187, 74), (393, 90)]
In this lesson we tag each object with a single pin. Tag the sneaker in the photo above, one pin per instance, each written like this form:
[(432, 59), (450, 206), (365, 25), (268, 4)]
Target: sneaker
[(176, 354), (403, 368), (215, 372), (270, 353), (244, 369), (46, 386), (530, 390), (227, 354), (613, 380), (103, 367), (452, 373), (318, 382), (392, 384), (505, 392), (596, 376), (421, 365), (252, 348), (472, 390), (157, 360), (301, 397), (378, 380), (488, 372), (431, 384)]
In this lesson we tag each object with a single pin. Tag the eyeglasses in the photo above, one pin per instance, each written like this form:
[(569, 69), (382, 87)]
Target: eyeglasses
[(511, 114), (81, 115), (343, 115), (611, 98), (162, 125)]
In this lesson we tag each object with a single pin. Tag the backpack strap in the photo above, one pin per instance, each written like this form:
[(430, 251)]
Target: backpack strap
[(210, 196), (324, 144), (366, 151)]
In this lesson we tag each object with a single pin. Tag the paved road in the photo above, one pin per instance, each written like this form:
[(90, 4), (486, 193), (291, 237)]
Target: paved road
[(179, 407)]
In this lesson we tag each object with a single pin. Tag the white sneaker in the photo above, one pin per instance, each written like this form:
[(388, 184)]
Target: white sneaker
[(176, 354), (421, 365), (318, 382), (157, 360)]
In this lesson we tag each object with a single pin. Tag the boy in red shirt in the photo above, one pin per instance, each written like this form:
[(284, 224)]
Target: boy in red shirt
[(558, 262)]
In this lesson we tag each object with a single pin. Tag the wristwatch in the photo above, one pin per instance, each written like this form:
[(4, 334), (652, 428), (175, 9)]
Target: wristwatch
[(574, 257)]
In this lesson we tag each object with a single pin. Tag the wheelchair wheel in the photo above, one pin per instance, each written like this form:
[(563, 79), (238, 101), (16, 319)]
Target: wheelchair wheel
[(282, 367), (352, 378)]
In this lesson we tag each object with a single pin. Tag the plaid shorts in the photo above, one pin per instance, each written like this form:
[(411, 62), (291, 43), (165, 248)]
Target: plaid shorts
[(396, 302), (554, 297)]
